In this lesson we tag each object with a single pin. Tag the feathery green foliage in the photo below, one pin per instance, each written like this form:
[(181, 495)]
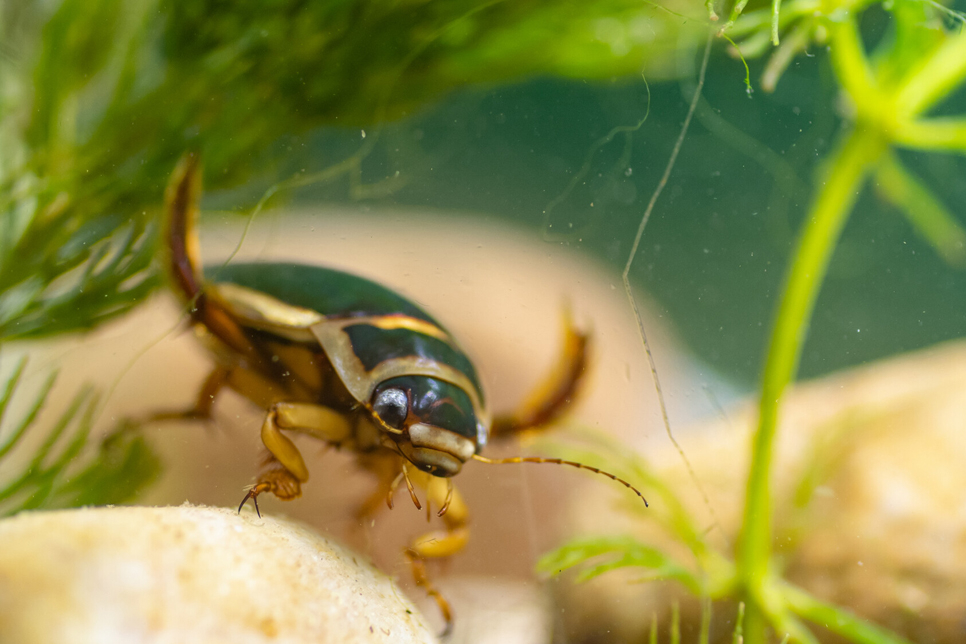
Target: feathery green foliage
[(99, 98), (64, 469)]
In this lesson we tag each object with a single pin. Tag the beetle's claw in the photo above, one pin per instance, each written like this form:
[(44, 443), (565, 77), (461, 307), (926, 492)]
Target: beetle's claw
[(252, 494), (276, 480)]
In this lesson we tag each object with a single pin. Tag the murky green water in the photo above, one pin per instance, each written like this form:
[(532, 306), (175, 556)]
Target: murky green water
[(717, 247)]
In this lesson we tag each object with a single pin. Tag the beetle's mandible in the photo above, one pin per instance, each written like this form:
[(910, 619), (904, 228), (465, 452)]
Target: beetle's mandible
[(353, 364)]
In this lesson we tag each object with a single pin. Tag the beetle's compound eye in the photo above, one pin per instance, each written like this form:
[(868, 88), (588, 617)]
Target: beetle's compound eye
[(392, 406)]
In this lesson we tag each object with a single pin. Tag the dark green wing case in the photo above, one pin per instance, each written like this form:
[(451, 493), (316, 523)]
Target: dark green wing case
[(337, 294), (324, 290)]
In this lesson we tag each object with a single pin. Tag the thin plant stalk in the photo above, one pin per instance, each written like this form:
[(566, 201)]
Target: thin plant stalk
[(844, 179), (837, 620)]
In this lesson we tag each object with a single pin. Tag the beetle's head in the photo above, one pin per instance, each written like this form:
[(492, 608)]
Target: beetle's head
[(431, 421)]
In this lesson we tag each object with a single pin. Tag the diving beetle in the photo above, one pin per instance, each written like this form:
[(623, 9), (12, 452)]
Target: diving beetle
[(356, 365)]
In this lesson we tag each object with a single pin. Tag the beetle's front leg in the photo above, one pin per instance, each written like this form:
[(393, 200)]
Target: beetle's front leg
[(439, 543), (285, 470), (386, 468)]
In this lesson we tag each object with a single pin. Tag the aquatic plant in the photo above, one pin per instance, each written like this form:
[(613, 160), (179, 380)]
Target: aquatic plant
[(891, 93)]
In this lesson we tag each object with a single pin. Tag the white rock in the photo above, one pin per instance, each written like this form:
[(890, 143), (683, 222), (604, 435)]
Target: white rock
[(189, 574)]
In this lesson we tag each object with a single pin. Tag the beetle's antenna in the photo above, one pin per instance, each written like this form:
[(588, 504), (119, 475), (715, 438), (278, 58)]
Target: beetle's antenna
[(412, 491), (449, 498), (559, 461), (392, 489)]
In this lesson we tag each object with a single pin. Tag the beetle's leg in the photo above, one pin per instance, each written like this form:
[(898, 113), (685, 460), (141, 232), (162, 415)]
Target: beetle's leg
[(274, 478), (386, 467), (315, 420), (213, 384), (439, 543), (558, 390), (201, 410), (285, 471), (181, 212)]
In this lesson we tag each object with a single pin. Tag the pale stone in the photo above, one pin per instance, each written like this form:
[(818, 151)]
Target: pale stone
[(190, 574)]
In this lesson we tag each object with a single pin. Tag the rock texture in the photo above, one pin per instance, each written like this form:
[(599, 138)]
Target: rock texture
[(190, 574)]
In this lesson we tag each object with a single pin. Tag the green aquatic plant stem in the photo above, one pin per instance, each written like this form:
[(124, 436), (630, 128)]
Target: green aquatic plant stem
[(756, 21), (882, 118), (854, 73), (935, 77), (927, 214), (844, 178), (837, 620), (940, 135), (897, 113)]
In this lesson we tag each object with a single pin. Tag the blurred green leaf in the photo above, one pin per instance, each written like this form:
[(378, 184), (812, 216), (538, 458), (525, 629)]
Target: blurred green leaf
[(125, 465), (107, 95), (615, 552), (62, 470), (927, 214), (585, 445)]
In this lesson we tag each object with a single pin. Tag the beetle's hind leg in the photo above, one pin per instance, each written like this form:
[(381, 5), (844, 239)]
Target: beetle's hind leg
[(284, 471), (557, 391), (440, 493)]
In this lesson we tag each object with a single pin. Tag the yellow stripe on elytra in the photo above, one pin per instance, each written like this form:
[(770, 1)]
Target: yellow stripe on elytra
[(399, 321), (262, 311)]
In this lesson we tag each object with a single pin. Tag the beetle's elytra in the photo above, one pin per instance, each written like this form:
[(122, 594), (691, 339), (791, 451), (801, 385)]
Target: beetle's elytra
[(353, 364)]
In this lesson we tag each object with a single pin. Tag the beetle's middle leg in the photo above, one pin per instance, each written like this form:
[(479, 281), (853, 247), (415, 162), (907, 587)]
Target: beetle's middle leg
[(204, 402), (284, 471), (440, 543)]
